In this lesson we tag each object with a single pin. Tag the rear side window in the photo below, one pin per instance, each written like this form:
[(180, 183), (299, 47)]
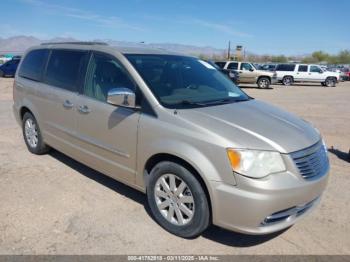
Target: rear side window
[(64, 68), (285, 67), (33, 64), (233, 66), (302, 68), (220, 64)]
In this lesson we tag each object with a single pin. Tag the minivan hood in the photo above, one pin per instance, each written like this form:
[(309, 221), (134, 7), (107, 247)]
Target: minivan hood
[(254, 125)]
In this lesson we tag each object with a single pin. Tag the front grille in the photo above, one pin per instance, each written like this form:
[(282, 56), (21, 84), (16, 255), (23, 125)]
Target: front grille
[(312, 162), (285, 214)]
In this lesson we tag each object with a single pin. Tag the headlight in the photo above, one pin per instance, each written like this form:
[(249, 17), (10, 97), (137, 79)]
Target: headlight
[(254, 163)]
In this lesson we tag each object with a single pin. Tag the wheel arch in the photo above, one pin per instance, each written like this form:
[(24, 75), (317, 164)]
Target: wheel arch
[(263, 76), (288, 76), (24, 110), (160, 157)]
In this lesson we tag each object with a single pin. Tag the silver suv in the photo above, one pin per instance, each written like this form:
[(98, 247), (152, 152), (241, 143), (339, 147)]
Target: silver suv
[(175, 128)]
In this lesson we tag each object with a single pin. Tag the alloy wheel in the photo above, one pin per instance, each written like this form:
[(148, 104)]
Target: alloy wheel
[(263, 83), (31, 133), (174, 199)]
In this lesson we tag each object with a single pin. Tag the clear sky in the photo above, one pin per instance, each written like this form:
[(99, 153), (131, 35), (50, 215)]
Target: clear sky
[(262, 26)]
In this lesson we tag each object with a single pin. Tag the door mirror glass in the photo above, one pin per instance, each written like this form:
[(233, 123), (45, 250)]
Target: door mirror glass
[(124, 97)]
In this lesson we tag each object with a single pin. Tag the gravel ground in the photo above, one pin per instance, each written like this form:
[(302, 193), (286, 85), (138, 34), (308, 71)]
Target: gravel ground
[(53, 205)]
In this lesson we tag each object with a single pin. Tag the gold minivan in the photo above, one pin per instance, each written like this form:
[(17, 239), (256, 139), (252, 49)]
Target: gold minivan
[(176, 128)]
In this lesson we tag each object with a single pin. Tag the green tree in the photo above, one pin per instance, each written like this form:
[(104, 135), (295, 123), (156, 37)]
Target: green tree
[(343, 57), (320, 56), (279, 59)]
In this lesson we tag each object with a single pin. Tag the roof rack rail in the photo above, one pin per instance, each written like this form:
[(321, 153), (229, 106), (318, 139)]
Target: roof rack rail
[(74, 43)]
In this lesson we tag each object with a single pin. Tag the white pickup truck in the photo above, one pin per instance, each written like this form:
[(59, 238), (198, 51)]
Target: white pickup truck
[(290, 73)]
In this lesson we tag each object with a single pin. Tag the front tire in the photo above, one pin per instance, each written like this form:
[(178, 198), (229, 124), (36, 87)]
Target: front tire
[(177, 200), (330, 82), (264, 82), (2, 74), (287, 80), (32, 135)]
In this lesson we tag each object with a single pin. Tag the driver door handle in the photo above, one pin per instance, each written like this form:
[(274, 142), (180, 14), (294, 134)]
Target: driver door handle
[(67, 104), (84, 109)]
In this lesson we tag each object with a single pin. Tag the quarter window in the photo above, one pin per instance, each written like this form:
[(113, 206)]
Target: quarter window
[(105, 73), (64, 68), (302, 68), (33, 64), (233, 66)]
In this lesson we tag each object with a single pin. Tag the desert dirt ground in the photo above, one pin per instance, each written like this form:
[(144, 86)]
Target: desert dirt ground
[(53, 205)]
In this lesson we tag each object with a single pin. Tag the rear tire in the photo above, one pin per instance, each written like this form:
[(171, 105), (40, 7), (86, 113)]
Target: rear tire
[(264, 82), (287, 80), (177, 200), (32, 135), (330, 82), (2, 74)]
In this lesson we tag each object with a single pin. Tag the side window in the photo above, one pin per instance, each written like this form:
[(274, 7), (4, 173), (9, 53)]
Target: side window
[(315, 69), (285, 67), (33, 64), (233, 66), (63, 68), (246, 66), (302, 68), (103, 74)]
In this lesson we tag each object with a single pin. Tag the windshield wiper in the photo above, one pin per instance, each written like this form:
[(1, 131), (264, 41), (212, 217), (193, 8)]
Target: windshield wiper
[(223, 101), (191, 103), (211, 102)]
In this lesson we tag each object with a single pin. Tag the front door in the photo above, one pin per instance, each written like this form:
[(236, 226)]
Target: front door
[(107, 133), (246, 73), (315, 74)]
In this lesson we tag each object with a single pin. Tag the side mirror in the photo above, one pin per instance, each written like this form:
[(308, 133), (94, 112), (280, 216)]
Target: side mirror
[(251, 69), (124, 97)]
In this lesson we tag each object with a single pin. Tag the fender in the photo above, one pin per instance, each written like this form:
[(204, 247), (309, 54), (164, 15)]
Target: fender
[(192, 155)]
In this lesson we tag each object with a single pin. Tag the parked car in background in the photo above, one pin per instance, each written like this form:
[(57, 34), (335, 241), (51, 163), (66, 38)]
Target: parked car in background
[(257, 66), (268, 67), (346, 73), (291, 73), (233, 75), (248, 74), (9, 68), (176, 129)]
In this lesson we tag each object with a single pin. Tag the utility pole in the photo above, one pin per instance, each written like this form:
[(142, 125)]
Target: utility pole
[(229, 50)]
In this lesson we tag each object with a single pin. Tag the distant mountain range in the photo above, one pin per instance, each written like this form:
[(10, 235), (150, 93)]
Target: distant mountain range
[(18, 44)]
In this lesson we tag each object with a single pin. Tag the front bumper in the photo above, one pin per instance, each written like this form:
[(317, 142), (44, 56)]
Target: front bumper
[(254, 204)]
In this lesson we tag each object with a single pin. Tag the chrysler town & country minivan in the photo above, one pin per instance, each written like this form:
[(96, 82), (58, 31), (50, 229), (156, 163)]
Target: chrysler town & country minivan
[(176, 128)]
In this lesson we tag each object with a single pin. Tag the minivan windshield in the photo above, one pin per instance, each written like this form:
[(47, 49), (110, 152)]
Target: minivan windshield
[(185, 82)]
